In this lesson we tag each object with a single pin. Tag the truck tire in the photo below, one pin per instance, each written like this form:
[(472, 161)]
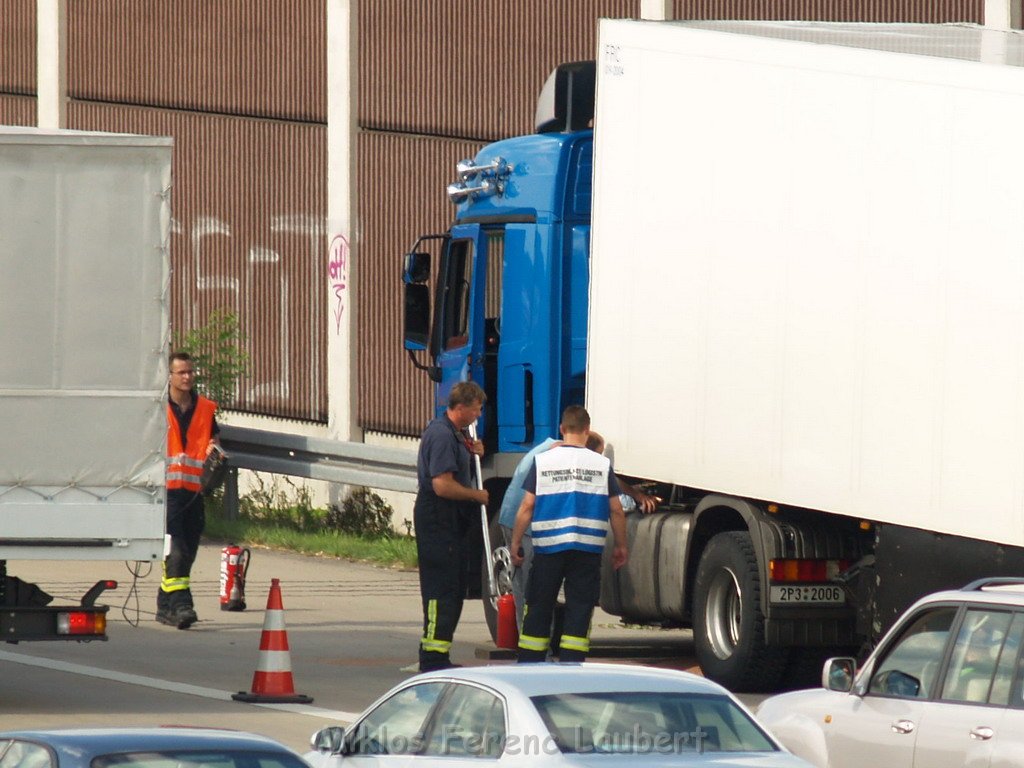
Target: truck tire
[(503, 578), (728, 625), (502, 575)]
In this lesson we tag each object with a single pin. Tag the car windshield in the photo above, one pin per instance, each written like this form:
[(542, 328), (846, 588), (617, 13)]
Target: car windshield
[(649, 723), (192, 758)]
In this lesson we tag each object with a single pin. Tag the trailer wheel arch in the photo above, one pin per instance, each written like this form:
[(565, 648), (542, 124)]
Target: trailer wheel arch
[(712, 516)]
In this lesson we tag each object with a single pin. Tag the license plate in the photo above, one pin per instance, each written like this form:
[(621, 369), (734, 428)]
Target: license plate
[(812, 594)]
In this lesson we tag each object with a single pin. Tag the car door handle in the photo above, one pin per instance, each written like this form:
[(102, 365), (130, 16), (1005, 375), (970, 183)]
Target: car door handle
[(982, 733), (903, 726)]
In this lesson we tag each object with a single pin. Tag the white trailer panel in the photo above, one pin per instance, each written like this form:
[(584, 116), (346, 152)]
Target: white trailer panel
[(808, 266), (85, 221)]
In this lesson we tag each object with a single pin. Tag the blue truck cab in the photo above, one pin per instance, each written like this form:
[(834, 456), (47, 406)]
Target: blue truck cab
[(510, 308)]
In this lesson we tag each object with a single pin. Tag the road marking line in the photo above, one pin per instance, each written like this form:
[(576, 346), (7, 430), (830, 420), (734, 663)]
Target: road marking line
[(167, 685)]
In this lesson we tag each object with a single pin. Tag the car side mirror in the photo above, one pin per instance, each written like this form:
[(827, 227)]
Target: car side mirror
[(838, 674), (328, 740)]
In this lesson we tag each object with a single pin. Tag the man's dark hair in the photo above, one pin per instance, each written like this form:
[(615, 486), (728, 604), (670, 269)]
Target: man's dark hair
[(575, 419), (466, 393), (185, 357)]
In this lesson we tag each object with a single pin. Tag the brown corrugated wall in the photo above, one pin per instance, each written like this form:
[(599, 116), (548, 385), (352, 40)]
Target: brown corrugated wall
[(259, 58), (17, 110), (17, 49), (241, 84)]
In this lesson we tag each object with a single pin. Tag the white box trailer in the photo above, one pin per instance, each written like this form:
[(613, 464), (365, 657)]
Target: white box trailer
[(813, 234), (84, 226)]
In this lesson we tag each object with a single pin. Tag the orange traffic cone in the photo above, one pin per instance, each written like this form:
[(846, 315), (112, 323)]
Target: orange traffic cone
[(272, 683)]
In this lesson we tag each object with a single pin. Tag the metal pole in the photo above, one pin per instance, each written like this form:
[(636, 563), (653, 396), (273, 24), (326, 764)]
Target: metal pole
[(492, 586)]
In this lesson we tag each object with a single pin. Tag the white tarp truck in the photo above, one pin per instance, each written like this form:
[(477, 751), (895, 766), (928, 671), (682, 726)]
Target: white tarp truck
[(84, 326)]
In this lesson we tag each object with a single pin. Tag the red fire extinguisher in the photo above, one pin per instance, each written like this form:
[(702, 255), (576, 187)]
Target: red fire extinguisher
[(234, 564), (508, 631)]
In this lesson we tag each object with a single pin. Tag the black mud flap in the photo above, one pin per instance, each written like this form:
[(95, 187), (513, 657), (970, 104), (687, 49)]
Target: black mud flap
[(911, 563)]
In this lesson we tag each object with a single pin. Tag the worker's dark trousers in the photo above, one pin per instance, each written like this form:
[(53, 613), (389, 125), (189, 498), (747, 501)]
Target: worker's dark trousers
[(440, 534), (581, 573), (186, 518)]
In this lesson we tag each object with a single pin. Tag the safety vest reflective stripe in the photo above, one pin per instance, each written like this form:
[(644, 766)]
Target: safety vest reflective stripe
[(571, 643), (529, 643), (175, 584), (183, 476)]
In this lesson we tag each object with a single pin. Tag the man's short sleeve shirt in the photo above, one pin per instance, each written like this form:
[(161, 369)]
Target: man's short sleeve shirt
[(443, 449)]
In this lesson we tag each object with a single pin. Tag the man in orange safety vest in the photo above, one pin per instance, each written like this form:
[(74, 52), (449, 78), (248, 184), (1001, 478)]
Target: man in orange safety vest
[(191, 436)]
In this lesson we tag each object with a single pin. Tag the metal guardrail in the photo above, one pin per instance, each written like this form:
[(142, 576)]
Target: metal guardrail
[(336, 461)]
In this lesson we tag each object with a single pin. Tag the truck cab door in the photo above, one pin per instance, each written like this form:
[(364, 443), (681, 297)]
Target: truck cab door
[(459, 322)]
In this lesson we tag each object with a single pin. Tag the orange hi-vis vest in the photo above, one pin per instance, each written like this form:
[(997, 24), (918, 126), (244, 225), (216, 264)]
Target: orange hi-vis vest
[(185, 467)]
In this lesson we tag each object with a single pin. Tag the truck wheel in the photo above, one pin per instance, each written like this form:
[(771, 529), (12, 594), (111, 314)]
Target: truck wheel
[(728, 626), (501, 566)]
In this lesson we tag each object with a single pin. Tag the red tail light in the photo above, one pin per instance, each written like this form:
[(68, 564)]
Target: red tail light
[(806, 570), (82, 623)]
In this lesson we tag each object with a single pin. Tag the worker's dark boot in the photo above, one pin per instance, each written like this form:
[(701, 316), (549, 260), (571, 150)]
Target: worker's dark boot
[(185, 616)]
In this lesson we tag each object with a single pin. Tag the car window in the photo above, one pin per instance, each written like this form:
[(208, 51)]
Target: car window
[(216, 758), (470, 722), (910, 668), (1010, 667), (24, 754), (976, 655), (395, 727), (641, 723)]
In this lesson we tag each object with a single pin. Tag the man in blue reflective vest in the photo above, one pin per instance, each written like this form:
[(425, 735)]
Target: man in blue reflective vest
[(571, 502)]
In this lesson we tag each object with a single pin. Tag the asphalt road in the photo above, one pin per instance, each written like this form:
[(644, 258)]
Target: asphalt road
[(352, 629)]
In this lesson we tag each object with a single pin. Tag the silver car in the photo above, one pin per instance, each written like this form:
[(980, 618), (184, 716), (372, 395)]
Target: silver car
[(943, 689), (167, 747), (559, 714)]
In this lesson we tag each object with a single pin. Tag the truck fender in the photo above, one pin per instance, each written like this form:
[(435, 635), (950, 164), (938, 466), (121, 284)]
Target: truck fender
[(713, 515)]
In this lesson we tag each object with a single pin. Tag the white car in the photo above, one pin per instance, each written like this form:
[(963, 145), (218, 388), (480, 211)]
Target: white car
[(943, 689), (558, 714)]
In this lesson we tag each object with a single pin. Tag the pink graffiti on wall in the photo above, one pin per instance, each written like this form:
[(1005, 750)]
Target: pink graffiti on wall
[(337, 273)]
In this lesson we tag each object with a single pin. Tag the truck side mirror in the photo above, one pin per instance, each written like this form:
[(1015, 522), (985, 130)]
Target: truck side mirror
[(417, 316), (417, 268)]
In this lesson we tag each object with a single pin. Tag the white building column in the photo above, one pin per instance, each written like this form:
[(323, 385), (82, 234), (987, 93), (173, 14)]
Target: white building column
[(51, 63), (656, 10), (1003, 14), (340, 269)]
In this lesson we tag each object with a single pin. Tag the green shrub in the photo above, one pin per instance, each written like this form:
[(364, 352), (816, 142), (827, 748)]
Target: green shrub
[(217, 350), (289, 507), (364, 514)]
